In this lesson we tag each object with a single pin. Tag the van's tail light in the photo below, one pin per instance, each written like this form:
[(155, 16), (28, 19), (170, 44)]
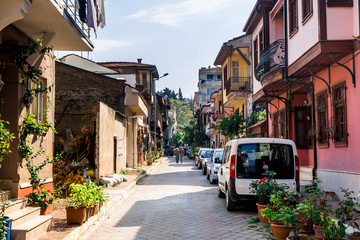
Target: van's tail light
[(232, 166), (297, 173)]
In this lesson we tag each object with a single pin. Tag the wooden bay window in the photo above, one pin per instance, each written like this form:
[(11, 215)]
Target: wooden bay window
[(340, 115), (322, 116)]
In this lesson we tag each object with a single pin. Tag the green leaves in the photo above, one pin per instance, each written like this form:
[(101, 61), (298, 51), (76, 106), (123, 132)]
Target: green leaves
[(231, 126), (5, 139), (86, 195)]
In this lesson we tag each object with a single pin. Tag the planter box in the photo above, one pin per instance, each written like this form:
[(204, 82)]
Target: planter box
[(7, 223), (47, 210), (76, 215)]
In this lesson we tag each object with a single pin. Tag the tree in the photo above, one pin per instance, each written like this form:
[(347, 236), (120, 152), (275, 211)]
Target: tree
[(177, 139), (180, 95), (194, 134), (184, 114), (231, 126)]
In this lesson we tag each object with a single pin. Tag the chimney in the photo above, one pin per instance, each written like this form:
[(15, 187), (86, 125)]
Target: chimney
[(139, 60)]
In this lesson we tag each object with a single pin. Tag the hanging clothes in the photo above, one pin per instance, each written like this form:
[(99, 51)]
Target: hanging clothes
[(81, 6), (91, 19), (99, 4)]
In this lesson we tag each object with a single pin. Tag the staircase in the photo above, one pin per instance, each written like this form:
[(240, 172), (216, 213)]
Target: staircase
[(26, 222), (305, 177)]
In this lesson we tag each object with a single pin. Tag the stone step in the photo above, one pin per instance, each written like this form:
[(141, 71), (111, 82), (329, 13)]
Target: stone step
[(15, 204), (33, 229), (6, 193), (23, 215), (306, 174)]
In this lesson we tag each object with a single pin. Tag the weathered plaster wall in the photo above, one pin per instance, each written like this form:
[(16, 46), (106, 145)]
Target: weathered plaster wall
[(112, 140)]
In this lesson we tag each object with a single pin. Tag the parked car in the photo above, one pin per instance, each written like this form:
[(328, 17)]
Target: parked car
[(213, 165), (208, 155), (247, 159), (201, 154)]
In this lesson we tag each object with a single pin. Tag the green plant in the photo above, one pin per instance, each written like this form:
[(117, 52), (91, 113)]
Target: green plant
[(265, 187), (5, 139), (231, 126), (123, 172), (86, 195), (346, 211), (149, 157), (333, 229), (4, 203), (42, 198), (195, 151)]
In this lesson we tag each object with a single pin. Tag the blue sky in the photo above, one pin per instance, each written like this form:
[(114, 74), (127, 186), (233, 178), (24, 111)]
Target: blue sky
[(178, 36)]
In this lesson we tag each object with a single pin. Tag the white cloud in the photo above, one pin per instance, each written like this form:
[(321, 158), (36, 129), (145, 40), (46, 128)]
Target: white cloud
[(103, 45), (175, 14)]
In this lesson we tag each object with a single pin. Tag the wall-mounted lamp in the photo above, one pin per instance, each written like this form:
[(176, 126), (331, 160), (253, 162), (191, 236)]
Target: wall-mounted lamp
[(306, 102)]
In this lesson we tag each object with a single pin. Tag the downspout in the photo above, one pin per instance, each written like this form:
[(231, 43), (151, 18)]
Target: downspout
[(312, 95)]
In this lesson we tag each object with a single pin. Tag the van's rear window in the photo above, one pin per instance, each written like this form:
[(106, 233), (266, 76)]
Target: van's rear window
[(255, 158)]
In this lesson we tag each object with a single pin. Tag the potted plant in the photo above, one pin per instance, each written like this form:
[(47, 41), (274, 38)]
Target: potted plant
[(149, 157), (263, 189), (43, 200), (76, 212), (5, 222), (334, 229), (346, 212)]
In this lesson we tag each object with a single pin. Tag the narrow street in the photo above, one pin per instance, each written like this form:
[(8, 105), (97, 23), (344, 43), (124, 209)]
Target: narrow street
[(176, 202)]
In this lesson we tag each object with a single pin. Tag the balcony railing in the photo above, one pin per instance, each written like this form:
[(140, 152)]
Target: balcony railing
[(71, 11), (272, 58), (234, 84)]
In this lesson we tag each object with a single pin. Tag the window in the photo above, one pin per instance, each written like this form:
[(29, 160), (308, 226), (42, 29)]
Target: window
[(256, 52), (306, 9), (321, 109), (221, 107), (340, 3), (293, 17), (282, 122), (275, 124), (303, 126), (261, 40), (339, 110), (235, 72), (37, 106), (144, 79), (210, 77), (254, 159), (219, 77)]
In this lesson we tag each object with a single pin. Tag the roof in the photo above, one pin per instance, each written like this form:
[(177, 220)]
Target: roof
[(255, 16), (228, 47), (125, 67)]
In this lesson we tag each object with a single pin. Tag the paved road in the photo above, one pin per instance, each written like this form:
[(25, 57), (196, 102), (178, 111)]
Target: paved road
[(177, 202)]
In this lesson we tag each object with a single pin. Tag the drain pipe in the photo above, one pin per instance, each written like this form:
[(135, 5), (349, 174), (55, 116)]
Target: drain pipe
[(312, 95)]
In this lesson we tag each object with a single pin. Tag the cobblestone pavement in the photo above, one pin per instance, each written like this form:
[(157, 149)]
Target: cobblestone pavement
[(177, 202)]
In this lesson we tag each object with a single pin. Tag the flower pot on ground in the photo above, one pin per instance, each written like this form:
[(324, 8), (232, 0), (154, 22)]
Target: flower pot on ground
[(262, 209), (42, 199), (280, 231), (5, 222), (75, 215)]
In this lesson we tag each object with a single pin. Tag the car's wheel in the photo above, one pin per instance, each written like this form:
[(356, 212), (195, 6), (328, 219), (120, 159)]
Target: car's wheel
[(220, 193), (204, 171), (207, 176), (230, 205), (199, 166), (211, 179)]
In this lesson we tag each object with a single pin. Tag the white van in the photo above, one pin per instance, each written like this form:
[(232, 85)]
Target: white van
[(247, 159)]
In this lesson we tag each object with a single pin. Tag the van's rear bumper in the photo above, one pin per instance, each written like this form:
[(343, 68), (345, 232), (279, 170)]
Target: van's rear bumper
[(239, 197)]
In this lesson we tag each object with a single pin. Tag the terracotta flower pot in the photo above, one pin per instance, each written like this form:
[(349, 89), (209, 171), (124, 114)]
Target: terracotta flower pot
[(76, 215), (319, 232), (46, 210), (356, 236), (281, 232), (261, 206), (306, 226)]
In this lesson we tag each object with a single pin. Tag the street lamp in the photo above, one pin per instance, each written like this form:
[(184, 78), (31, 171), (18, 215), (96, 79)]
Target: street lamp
[(155, 102)]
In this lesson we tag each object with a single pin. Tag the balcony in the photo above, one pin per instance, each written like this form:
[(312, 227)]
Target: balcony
[(237, 84), (56, 22), (272, 59)]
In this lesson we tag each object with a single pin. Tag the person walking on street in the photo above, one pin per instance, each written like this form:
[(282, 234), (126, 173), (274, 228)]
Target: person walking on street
[(182, 153), (177, 153)]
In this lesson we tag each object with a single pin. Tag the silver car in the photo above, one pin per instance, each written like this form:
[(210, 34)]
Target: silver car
[(207, 157), (213, 165)]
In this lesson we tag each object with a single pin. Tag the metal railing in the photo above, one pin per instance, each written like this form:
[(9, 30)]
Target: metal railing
[(272, 58), (234, 84), (71, 11)]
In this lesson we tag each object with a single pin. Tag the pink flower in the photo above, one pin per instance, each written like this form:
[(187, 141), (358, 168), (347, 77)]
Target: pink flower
[(54, 120), (249, 187)]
